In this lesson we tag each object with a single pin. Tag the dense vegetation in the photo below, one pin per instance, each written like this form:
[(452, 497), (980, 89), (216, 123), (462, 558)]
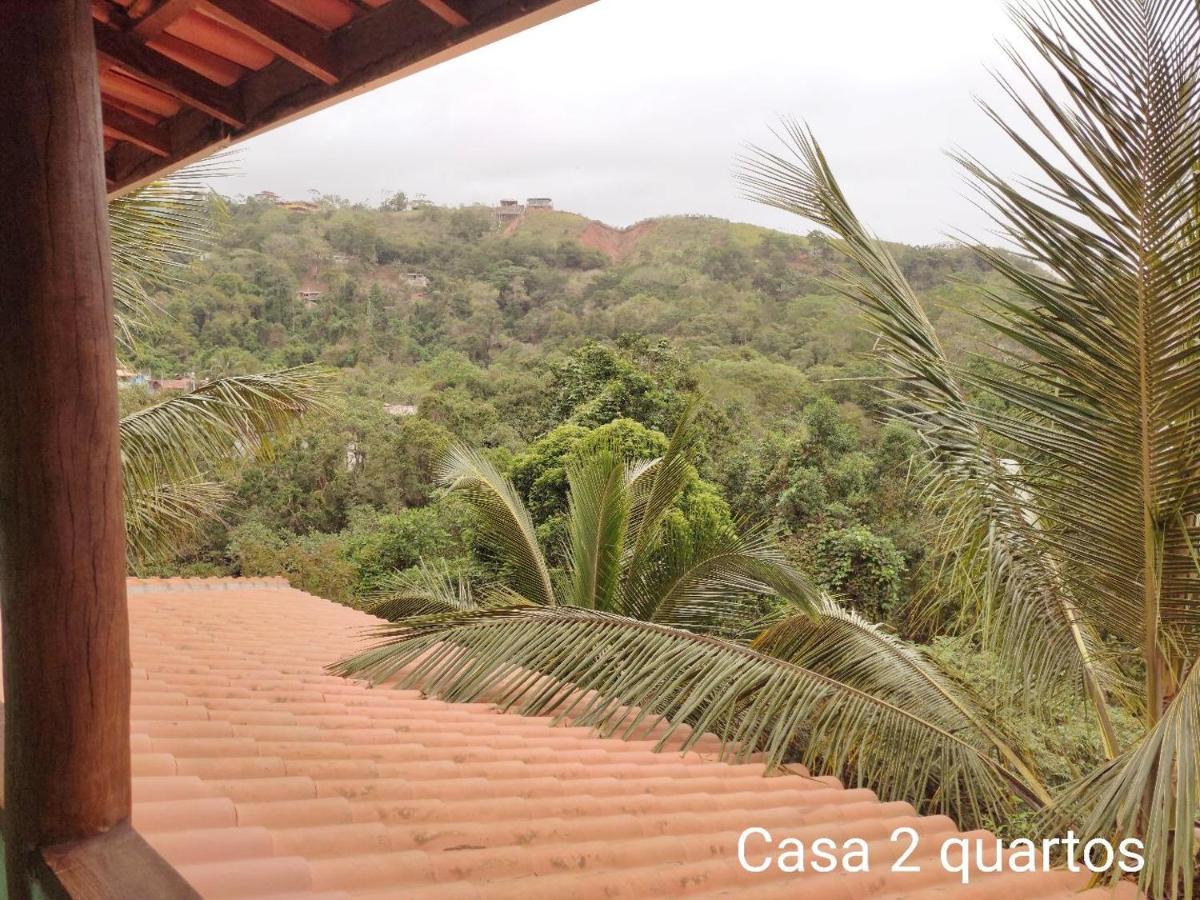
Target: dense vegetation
[(533, 343)]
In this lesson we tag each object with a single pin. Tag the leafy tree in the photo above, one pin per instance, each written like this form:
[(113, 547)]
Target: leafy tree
[(379, 544), (598, 383), (316, 562), (400, 465), (863, 567), (395, 202)]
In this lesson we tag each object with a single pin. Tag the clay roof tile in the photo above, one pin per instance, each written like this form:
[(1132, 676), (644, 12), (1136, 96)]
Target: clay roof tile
[(259, 775)]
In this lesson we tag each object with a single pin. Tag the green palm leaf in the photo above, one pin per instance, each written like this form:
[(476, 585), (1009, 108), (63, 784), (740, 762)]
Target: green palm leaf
[(504, 523), (1110, 321), (1151, 791), (711, 587), (594, 666), (657, 484), (840, 644), (236, 415), (168, 449), (597, 517), (157, 230), (158, 517), (427, 590)]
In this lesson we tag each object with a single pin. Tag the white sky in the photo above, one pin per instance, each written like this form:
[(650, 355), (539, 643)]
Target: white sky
[(627, 109)]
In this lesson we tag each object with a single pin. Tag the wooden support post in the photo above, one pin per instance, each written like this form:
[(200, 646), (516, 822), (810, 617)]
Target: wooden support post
[(62, 552)]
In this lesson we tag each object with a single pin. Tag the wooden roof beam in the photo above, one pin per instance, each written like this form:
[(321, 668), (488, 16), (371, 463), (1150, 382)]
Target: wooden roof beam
[(280, 32), (124, 127), (159, 19), (114, 48), (446, 12)]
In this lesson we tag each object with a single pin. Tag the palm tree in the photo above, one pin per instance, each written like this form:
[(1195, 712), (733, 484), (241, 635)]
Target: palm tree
[(617, 557), (1078, 505), (170, 450), (640, 619)]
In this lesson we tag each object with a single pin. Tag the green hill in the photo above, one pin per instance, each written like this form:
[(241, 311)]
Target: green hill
[(446, 326), (332, 285)]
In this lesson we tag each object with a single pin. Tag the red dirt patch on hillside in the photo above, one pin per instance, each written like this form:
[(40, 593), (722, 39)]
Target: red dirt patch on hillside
[(617, 243)]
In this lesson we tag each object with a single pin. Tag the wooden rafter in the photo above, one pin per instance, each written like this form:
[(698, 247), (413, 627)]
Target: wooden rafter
[(446, 12), (283, 34), (159, 19), (114, 48), (124, 127)]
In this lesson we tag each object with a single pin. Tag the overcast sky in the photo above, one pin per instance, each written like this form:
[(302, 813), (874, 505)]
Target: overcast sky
[(627, 109)]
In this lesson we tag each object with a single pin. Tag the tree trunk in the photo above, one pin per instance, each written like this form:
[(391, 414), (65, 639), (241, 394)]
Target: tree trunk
[(62, 553)]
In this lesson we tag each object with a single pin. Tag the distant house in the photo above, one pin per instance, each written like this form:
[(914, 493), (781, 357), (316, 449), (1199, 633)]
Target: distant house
[(304, 206), (309, 298), (340, 259), (128, 378), (539, 203), (508, 210), (400, 409), (415, 280), (267, 197), (183, 383)]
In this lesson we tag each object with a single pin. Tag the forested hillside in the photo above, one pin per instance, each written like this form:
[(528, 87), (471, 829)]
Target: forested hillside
[(527, 340)]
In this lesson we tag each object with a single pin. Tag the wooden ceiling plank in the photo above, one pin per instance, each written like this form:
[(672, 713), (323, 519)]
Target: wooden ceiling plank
[(160, 18), (121, 125), (216, 69), (139, 113), (162, 72), (280, 32), (446, 12), (117, 83)]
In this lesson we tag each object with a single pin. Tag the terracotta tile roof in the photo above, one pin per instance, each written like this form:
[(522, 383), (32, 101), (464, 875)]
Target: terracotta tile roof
[(256, 774)]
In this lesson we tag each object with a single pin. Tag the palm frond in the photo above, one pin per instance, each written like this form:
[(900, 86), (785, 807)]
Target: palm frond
[(157, 230), (1034, 621), (426, 590), (1110, 320), (1151, 792), (168, 449), (593, 666), (654, 487), (842, 645), (159, 517), (710, 587), (504, 522), (236, 415), (597, 517)]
